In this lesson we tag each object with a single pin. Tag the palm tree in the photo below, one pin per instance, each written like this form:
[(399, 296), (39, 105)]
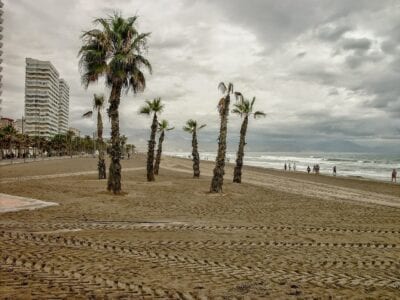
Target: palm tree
[(98, 105), (116, 52), (8, 137), (152, 107), (70, 134), (162, 127), (223, 108), (191, 127), (244, 109)]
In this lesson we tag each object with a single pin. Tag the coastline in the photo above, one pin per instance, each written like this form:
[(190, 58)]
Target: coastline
[(354, 165), (365, 184)]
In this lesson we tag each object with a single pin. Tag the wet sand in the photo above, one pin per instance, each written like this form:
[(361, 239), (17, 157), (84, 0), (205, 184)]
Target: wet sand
[(276, 236)]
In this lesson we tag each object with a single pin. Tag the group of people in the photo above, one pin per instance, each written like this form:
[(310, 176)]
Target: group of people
[(315, 169), (288, 166)]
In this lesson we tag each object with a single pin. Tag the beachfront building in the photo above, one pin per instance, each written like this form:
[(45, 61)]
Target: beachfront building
[(63, 111), (46, 100), (1, 51), (4, 122), (75, 131)]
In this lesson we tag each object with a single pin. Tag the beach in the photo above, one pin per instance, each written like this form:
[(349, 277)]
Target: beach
[(278, 235)]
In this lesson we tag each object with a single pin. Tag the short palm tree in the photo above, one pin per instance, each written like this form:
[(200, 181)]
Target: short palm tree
[(152, 107), (244, 108), (98, 105), (192, 127), (115, 51), (223, 108), (162, 128)]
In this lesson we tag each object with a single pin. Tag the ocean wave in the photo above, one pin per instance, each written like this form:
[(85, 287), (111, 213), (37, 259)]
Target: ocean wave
[(341, 160)]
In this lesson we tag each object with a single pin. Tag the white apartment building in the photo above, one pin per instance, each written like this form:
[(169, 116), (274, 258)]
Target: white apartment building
[(63, 110), (1, 51), (46, 99)]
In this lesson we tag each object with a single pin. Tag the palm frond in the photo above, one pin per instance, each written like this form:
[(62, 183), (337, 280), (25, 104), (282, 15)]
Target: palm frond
[(230, 88), (145, 110), (202, 126), (222, 87), (98, 101), (237, 111), (259, 114), (88, 114), (239, 97)]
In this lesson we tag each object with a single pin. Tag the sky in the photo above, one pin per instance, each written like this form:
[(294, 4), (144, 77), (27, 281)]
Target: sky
[(324, 72)]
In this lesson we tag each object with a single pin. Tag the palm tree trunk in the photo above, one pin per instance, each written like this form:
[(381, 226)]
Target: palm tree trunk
[(114, 178), (101, 165), (195, 154), (218, 178), (237, 174), (159, 152), (150, 153)]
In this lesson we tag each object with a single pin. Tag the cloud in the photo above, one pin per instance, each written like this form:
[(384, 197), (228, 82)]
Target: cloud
[(359, 44), (331, 32), (337, 59)]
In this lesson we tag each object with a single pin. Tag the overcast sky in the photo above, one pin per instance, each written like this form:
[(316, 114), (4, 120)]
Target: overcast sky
[(319, 69)]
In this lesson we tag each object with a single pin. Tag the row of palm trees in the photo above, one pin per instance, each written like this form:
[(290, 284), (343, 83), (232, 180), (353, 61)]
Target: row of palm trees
[(17, 145), (115, 50)]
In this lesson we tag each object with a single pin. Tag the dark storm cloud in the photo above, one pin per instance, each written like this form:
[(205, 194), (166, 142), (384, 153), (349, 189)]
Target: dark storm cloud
[(359, 44)]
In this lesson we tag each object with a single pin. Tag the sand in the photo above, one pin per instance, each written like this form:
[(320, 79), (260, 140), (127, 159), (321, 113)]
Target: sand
[(276, 236)]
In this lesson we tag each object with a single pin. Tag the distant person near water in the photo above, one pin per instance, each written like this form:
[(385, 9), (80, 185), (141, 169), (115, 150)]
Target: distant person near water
[(316, 169), (394, 176), (294, 167), (290, 167), (285, 167), (334, 170), (308, 169)]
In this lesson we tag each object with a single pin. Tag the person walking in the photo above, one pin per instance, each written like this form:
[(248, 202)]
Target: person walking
[(394, 175), (308, 169), (334, 170), (285, 167)]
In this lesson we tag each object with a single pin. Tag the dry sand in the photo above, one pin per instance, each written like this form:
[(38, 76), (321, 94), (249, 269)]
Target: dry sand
[(277, 235)]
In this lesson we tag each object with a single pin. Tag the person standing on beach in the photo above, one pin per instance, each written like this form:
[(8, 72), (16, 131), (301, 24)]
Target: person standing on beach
[(308, 169), (394, 176), (294, 167), (290, 167), (285, 167), (334, 170)]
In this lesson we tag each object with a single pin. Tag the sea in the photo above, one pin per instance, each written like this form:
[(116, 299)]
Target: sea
[(359, 165)]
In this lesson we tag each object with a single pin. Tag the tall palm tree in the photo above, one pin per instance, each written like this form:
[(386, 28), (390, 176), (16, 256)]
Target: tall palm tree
[(162, 128), (192, 127), (115, 51), (98, 105), (152, 107), (244, 108), (223, 108)]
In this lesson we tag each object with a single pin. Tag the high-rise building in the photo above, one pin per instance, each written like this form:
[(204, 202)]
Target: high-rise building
[(1, 51), (46, 99), (63, 111)]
